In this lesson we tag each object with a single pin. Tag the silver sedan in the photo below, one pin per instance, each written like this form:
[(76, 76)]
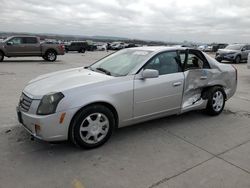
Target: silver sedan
[(85, 105)]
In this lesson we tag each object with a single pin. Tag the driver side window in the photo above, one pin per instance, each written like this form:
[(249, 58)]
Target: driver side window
[(16, 41)]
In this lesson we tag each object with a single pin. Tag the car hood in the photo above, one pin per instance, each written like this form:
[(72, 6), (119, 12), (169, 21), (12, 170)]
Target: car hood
[(227, 51), (63, 80)]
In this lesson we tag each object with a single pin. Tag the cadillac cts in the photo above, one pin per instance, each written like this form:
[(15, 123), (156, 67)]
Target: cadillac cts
[(86, 104)]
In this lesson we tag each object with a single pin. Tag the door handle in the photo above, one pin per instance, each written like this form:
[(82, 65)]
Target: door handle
[(177, 84), (203, 77)]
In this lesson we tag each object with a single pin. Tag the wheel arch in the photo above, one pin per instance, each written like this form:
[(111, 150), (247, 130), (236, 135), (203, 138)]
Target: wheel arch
[(2, 52), (51, 50), (206, 89), (106, 104)]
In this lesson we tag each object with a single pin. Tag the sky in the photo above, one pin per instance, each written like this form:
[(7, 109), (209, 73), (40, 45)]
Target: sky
[(163, 20)]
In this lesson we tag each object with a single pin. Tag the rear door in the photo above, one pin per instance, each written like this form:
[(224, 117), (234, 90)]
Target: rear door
[(197, 74), (162, 95), (31, 47)]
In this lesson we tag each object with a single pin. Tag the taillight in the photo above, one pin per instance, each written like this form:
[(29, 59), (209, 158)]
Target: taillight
[(62, 47), (236, 72)]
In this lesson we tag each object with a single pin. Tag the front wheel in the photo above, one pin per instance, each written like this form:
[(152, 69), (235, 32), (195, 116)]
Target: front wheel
[(50, 56), (92, 127), (1, 56), (216, 101), (237, 60)]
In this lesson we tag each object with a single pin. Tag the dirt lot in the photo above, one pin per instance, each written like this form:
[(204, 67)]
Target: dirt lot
[(190, 150)]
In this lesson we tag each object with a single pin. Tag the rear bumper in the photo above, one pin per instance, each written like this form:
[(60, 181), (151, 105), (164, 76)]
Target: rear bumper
[(47, 128)]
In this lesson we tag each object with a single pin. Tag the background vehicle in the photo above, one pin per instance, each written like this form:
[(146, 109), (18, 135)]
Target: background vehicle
[(117, 45), (24, 46), (233, 53), (216, 47), (79, 46), (101, 47), (130, 86)]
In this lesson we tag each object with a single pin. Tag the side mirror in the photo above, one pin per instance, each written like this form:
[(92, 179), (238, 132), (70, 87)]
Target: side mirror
[(150, 73), (9, 43), (243, 49)]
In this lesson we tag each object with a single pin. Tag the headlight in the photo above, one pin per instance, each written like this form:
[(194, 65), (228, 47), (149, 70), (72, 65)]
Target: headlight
[(49, 103)]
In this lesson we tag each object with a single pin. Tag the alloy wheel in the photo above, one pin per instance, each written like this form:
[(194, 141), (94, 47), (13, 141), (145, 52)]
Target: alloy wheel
[(94, 128), (218, 100)]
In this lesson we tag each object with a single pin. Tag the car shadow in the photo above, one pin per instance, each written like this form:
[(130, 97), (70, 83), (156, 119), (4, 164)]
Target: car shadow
[(23, 141)]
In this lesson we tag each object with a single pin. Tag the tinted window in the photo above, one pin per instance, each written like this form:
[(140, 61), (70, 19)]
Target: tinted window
[(30, 40), (248, 47), (165, 63)]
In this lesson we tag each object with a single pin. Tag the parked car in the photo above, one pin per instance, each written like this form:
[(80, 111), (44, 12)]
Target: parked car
[(117, 45), (24, 46), (79, 46), (101, 47), (233, 53), (205, 48), (133, 85), (216, 47)]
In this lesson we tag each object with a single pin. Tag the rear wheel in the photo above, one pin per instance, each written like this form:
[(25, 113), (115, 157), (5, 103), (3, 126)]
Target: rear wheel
[(92, 127), (82, 50), (237, 59), (1, 56), (45, 58), (50, 56), (216, 101)]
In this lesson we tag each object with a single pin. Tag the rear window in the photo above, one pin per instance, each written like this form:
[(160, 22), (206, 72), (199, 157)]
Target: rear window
[(30, 40)]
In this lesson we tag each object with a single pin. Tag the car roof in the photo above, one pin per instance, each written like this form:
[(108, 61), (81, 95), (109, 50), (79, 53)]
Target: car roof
[(160, 48)]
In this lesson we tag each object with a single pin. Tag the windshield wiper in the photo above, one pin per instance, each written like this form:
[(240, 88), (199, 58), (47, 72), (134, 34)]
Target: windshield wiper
[(103, 70)]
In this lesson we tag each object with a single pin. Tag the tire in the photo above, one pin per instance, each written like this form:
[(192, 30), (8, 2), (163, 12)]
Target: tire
[(219, 60), (82, 50), (45, 58), (89, 130), (237, 59), (51, 55), (1, 56), (216, 101)]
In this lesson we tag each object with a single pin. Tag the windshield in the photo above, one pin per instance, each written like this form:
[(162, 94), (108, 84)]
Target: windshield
[(234, 47), (6, 39), (121, 62)]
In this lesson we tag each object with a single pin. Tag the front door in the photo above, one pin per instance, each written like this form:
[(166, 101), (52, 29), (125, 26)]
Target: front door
[(14, 47), (163, 94)]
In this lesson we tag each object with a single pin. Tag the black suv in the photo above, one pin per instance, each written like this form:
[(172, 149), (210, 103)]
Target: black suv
[(80, 47)]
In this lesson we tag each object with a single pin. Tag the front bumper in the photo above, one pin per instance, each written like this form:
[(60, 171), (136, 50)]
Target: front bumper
[(230, 58), (48, 127)]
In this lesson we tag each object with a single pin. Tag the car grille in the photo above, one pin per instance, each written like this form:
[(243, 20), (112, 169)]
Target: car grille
[(25, 102)]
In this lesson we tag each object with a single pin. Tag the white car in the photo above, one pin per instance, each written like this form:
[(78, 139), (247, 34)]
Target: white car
[(133, 85)]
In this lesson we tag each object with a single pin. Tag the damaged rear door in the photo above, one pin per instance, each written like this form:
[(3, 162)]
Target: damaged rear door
[(197, 73)]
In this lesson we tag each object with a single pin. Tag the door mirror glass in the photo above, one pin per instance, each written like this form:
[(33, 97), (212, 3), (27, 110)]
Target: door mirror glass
[(150, 73)]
